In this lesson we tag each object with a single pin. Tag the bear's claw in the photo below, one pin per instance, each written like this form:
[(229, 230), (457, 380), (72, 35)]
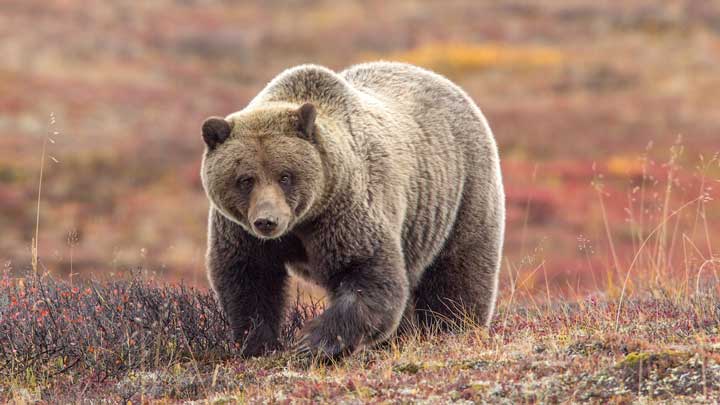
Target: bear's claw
[(313, 346)]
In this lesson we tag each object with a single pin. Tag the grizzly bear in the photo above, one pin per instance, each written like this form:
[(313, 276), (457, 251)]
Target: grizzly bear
[(380, 184)]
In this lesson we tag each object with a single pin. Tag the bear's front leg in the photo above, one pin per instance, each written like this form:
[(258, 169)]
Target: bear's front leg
[(367, 299), (248, 277)]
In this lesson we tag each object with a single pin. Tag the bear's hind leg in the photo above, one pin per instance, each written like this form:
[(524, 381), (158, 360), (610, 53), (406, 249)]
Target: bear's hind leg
[(459, 288)]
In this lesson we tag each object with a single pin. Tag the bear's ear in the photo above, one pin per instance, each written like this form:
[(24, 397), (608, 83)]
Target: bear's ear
[(306, 120), (215, 130)]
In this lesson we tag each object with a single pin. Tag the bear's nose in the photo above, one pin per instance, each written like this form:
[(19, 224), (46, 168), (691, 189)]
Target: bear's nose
[(265, 225)]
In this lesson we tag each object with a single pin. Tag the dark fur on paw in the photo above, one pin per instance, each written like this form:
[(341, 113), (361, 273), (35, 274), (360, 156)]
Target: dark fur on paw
[(316, 344), (257, 341)]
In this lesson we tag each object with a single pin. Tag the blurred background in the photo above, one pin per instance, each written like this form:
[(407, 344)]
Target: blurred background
[(606, 113)]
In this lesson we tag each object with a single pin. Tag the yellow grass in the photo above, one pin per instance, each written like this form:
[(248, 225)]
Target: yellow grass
[(456, 58)]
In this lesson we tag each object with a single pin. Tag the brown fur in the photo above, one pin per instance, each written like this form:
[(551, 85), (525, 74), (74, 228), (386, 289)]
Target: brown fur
[(380, 184)]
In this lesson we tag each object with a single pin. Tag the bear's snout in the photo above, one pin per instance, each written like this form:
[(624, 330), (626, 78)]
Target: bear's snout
[(265, 225), (269, 215), (267, 221)]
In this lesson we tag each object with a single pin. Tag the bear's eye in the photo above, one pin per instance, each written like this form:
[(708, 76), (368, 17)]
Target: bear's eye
[(285, 179), (245, 182)]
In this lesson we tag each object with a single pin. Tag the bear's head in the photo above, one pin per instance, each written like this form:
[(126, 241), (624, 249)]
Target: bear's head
[(262, 168)]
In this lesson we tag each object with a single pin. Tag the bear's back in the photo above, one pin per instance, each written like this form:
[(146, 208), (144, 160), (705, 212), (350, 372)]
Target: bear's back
[(422, 95), (396, 80)]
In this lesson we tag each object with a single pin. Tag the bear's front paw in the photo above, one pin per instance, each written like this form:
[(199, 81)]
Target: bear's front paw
[(319, 343), (257, 341)]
